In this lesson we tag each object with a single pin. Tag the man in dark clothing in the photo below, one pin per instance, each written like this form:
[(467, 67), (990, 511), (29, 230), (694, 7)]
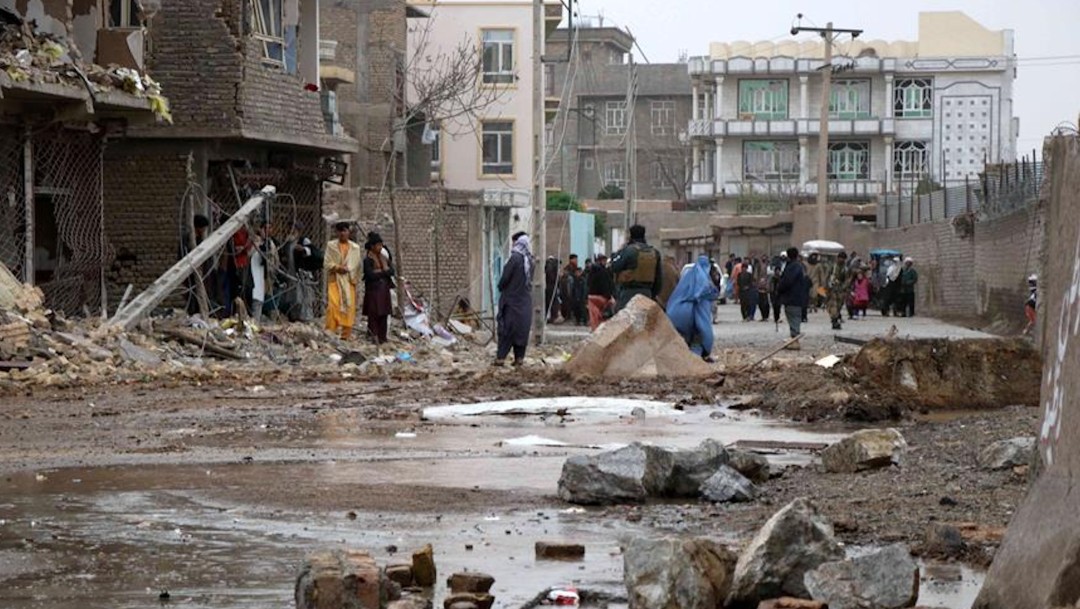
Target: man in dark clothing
[(747, 286), (908, 278), (793, 290), (572, 291), (514, 316), (551, 282), (637, 269)]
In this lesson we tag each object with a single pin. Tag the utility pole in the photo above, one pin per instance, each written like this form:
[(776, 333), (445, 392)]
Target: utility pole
[(539, 196), (631, 148), (828, 35)]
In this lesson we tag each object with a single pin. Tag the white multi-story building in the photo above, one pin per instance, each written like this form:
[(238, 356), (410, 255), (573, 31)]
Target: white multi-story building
[(489, 147), (901, 113)]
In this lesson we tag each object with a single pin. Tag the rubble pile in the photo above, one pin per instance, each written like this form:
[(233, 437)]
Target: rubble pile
[(41, 348), (29, 55)]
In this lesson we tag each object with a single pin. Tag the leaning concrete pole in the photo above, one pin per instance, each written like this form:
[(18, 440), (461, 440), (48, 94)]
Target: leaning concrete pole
[(1038, 564), (172, 278)]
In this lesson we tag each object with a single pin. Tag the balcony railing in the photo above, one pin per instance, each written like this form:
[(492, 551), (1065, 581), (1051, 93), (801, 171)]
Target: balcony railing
[(702, 190), (748, 127)]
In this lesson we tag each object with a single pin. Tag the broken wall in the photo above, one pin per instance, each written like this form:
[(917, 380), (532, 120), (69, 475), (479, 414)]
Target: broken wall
[(212, 69), (441, 231), (1038, 563)]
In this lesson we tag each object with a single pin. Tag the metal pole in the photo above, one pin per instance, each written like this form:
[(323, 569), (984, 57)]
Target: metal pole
[(28, 207), (539, 200), (823, 139)]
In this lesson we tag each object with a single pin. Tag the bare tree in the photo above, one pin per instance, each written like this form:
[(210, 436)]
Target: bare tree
[(442, 87)]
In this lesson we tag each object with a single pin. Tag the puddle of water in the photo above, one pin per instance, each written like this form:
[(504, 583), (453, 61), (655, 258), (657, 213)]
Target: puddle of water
[(583, 407), (119, 535), (949, 585)]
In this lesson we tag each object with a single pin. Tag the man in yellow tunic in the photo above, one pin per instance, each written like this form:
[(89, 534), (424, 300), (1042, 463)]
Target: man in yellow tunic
[(342, 265)]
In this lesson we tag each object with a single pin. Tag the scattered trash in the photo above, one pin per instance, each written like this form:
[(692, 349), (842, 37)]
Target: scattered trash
[(532, 441), (405, 435), (828, 361), (564, 597)]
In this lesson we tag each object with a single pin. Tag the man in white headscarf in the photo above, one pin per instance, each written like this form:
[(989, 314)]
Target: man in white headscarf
[(514, 316)]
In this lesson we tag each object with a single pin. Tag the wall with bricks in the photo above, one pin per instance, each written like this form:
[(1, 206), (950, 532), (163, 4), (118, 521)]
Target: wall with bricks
[(977, 269), (439, 229), (213, 74), (142, 215)]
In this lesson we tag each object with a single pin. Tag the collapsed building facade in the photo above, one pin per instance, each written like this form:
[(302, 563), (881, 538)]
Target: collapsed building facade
[(242, 82)]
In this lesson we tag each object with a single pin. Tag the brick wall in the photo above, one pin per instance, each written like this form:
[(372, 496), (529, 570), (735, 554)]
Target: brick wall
[(978, 275), (213, 75), (437, 229), (142, 216)]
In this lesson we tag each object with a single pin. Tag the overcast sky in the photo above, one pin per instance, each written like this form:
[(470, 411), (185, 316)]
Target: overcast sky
[(1047, 90)]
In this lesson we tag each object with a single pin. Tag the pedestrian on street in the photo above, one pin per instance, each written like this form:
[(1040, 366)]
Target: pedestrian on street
[(794, 292), (748, 291), (839, 288), (378, 281), (690, 308), (909, 277), (601, 291), (637, 269), (341, 263), (1032, 302), (763, 278), (514, 316), (860, 294)]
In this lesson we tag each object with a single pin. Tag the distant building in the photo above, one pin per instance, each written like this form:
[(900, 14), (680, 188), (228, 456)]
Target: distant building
[(490, 148), (589, 70), (935, 109)]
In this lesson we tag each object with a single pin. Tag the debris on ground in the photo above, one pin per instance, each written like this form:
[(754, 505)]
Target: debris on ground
[(638, 342), (884, 579), (796, 540), (865, 449), (559, 550), (1006, 454), (677, 573), (728, 485), (327, 579)]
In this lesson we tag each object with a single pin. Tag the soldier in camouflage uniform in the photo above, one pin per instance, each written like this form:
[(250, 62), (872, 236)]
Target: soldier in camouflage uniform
[(839, 288)]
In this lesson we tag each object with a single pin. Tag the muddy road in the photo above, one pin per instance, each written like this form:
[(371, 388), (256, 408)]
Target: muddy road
[(216, 491)]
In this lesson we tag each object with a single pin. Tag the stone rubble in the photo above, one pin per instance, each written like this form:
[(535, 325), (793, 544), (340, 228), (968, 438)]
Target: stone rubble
[(1007, 454), (863, 450), (884, 579), (677, 573)]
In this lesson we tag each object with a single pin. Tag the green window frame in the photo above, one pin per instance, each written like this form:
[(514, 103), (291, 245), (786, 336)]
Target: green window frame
[(850, 99), (763, 99), (914, 98), (849, 161), (771, 160)]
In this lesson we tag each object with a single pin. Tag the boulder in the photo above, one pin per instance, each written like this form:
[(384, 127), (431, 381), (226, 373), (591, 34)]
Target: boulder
[(752, 465), (341, 580), (795, 540), (866, 449), (675, 573), (1007, 454), (629, 474), (423, 567), (548, 550), (885, 579), (728, 485), (693, 467), (402, 575), (472, 581), (638, 342)]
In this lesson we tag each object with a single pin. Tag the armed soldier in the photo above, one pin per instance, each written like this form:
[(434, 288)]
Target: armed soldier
[(637, 269)]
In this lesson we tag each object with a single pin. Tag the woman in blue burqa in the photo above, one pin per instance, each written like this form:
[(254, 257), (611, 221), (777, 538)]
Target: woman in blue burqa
[(690, 308)]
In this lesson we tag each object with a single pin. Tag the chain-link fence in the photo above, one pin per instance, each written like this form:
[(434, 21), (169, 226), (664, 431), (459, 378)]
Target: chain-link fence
[(65, 218), (13, 212), (999, 190)]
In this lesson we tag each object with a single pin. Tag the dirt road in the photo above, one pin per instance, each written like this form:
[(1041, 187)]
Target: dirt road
[(215, 492)]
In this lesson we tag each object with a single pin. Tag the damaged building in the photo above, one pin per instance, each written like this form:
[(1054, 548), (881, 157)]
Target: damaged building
[(90, 216)]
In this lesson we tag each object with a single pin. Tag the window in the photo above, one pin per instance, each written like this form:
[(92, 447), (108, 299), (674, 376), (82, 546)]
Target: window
[(549, 79), (763, 99), (615, 118), (615, 174), (914, 98), (663, 117), (849, 161), (498, 57), (911, 160), (771, 160), (549, 136), (268, 29), (123, 13), (850, 99), (436, 151), (589, 163), (498, 148), (659, 179)]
